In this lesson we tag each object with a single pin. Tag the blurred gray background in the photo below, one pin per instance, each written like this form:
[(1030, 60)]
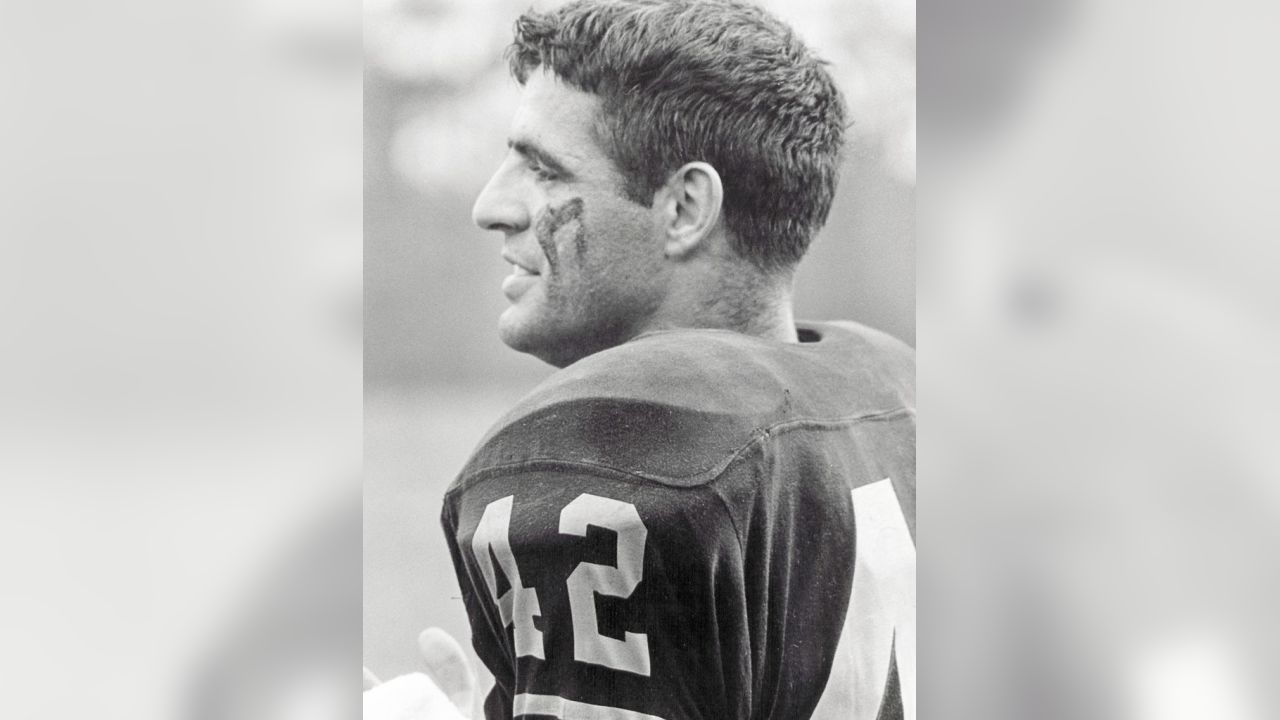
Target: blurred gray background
[(437, 103)]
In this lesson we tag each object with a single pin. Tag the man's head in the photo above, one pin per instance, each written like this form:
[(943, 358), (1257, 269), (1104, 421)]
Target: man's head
[(653, 135)]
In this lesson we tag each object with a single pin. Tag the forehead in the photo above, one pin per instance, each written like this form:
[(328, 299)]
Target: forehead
[(557, 117)]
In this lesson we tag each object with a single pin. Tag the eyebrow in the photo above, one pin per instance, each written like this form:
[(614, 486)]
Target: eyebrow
[(530, 149)]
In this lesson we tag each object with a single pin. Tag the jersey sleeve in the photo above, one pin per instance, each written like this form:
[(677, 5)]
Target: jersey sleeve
[(594, 594)]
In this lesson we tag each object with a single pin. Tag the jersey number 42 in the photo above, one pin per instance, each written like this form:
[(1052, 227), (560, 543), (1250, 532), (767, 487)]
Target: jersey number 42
[(518, 606)]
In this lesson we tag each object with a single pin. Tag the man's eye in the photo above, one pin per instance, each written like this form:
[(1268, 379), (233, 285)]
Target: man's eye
[(541, 171)]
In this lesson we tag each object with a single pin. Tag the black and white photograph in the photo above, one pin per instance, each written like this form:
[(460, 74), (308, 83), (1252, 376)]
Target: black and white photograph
[(639, 360), (640, 411)]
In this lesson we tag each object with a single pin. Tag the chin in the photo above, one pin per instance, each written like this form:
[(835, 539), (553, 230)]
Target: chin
[(520, 333), (523, 334)]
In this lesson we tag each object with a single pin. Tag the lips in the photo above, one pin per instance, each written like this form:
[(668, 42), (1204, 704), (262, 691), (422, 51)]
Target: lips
[(521, 268), (520, 280)]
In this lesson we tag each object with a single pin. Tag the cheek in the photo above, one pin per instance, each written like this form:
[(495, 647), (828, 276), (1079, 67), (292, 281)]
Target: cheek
[(560, 227), (621, 268), (602, 255)]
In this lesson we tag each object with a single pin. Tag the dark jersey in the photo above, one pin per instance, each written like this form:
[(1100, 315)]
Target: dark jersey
[(699, 525)]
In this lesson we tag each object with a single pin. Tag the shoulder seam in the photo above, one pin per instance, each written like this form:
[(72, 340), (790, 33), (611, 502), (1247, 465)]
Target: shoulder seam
[(697, 479), (784, 427)]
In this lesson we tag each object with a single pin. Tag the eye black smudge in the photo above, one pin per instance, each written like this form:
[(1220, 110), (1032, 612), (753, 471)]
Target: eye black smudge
[(551, 221)]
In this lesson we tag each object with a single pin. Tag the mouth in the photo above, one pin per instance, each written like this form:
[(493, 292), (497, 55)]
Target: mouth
[(520, 281), (519, 269)]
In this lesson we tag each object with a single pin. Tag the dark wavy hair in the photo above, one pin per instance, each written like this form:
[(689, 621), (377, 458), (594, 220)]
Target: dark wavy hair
[(717, 81)]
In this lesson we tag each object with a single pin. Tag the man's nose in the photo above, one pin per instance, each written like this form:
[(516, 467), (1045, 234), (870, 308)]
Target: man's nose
[(499, 207)]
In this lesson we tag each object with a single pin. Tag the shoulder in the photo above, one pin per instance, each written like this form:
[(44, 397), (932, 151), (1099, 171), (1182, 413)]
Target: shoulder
[(675, 407), (873, 358), (726, 372)]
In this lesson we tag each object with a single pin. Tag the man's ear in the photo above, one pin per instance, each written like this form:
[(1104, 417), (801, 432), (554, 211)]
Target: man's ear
[(690, 202)]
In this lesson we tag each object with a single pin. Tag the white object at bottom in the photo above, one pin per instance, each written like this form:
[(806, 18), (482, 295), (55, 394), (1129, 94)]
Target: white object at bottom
[(409, 697), (559, 707)]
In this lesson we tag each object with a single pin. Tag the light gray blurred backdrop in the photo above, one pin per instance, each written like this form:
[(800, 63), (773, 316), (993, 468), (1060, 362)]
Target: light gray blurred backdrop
[(1098, 373), (437, 103), (180, 366)]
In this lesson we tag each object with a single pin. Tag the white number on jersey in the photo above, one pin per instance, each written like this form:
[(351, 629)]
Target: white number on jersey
[(881, 621), (632, 653), (519, 605)]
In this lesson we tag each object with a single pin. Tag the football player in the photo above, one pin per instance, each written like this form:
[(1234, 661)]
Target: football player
[(709, 511)]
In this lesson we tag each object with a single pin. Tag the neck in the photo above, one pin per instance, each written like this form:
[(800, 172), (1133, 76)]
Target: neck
[(746, 301)]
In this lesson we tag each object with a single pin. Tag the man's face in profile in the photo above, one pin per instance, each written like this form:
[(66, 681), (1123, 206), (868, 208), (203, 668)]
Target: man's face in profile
[(587, 262)]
